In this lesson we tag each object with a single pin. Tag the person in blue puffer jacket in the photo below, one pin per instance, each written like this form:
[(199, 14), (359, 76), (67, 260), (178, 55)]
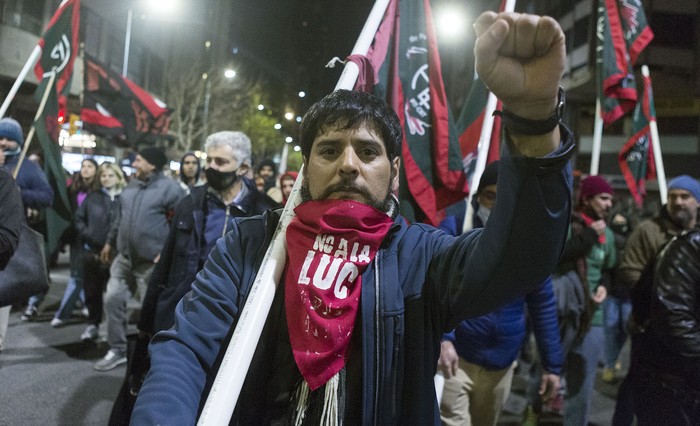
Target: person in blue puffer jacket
[(479, 356)]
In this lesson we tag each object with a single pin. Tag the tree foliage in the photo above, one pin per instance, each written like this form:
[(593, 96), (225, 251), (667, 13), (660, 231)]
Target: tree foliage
[(232, 105)]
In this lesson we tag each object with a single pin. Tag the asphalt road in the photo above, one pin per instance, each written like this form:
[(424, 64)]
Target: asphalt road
[(46, 374)]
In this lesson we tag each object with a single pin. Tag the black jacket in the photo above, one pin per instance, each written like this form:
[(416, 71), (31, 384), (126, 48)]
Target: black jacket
[(181, 256), (673, 343), (94, 218), (11, 217)]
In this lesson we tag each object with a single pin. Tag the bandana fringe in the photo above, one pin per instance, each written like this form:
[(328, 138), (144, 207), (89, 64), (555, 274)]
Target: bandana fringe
[(302, 403), (329, 417)]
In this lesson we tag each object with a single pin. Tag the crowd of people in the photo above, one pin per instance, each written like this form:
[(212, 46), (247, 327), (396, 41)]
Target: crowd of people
[(370, 307)]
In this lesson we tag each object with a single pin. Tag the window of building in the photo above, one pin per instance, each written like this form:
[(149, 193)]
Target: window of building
[(25, 14)]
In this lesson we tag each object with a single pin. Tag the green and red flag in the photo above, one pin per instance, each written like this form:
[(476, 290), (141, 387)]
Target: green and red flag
[(58, 216), (403, 67), (636, 157), (616, 85), (635, 28), (59, 46)]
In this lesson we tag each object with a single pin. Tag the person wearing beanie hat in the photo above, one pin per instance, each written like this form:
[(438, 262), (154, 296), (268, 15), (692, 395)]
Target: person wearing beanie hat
[(155, 156), (585, 268), (35, 191), (594, 185), (683, 200), (145, 206), (644, 245), (10, 130)]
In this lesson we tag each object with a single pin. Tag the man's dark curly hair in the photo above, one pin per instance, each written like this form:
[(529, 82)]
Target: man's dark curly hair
[(346, 109)]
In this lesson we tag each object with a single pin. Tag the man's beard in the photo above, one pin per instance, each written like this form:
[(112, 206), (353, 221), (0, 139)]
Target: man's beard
[(681, 217), (384, 205)]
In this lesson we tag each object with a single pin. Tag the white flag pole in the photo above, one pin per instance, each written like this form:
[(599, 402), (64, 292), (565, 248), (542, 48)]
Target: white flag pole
[(597, 138), (482, 156), (20, 78), (23, 74), (484, 145), (364, 41), (234, 366), (656, 148)]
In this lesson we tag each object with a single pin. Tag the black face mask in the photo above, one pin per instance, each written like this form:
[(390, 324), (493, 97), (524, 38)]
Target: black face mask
[(220, 180)]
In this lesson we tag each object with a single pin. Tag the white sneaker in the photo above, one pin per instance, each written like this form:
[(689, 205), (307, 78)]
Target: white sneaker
[(91, 333), (84, 312), (114, 358), (57, 322)]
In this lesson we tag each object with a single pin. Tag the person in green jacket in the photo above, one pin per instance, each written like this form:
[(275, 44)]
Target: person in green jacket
[(590, 252)]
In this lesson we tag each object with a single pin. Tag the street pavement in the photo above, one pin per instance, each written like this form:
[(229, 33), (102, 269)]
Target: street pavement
[(46, 374)]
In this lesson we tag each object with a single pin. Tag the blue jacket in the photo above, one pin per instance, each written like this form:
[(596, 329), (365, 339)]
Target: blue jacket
[(34, 187), (180, 257), (493, 340), (420, 285)]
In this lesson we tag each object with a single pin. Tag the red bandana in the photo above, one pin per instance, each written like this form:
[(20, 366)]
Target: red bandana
[(587, 220), (329, 245)]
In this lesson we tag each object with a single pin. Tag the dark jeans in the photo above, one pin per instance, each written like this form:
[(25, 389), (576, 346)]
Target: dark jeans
[(95, 281)]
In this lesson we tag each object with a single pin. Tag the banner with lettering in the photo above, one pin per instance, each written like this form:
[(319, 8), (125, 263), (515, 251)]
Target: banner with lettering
[(636, 157)]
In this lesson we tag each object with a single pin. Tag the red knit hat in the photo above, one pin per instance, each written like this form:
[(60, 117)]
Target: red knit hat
[(594, 185)]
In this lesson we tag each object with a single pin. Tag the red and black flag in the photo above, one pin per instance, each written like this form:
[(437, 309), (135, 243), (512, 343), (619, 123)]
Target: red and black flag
[(636, 157), (403, 66), (59, 46), (116, 107)]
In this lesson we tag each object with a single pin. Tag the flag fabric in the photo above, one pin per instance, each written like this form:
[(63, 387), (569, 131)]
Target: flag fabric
[(636, 157), (635, 28), (59, 46), (58, 216), (471, 122), (616, 84), (116, 107), (404, 66)]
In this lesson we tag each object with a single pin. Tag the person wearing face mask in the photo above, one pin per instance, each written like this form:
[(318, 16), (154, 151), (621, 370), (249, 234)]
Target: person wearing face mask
[(200, 219), (478, 357), (588, 257)]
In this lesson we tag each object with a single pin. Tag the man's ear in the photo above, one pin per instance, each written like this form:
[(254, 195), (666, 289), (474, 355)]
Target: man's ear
[(395, 167), (243, 169)]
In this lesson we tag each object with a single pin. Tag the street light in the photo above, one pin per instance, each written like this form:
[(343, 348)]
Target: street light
[(261, 107), (302, 94), (229, 74), (289, 116), (277, 126), (161, 7), (289, 139)]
